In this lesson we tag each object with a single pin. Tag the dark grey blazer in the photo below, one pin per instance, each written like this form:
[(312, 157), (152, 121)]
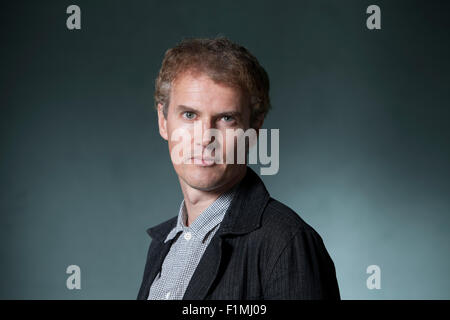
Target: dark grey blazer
[(262, 250)]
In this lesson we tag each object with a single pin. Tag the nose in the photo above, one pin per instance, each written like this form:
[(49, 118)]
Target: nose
[(203, 135)]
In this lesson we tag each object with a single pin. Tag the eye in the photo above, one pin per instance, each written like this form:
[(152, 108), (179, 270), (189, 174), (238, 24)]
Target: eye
[(228, 118), (189, 115)]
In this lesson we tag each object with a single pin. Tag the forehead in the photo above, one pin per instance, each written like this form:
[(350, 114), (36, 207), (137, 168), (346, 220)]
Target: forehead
[(200, 91)]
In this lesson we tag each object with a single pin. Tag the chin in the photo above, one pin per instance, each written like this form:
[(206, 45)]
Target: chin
[(203, 178)]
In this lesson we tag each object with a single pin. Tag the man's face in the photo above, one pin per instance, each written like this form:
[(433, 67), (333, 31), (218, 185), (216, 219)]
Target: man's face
[(197, 101)]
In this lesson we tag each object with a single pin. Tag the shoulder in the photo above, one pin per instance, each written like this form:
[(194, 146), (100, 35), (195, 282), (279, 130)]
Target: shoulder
[(283, 234), (281, 225), (281, 217)]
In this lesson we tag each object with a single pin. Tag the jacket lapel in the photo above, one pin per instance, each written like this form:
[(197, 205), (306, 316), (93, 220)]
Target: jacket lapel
[(242, 217), (205, 272), (156, 254)]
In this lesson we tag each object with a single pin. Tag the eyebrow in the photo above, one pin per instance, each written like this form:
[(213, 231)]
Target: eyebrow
[(182, 107)]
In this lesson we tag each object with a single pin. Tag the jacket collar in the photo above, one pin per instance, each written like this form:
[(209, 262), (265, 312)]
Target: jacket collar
[(244, 213)]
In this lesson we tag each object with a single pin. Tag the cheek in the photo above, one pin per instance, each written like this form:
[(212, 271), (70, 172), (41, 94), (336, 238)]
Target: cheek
[(176, 130), (228, 143), (180, 142), (230, 148)]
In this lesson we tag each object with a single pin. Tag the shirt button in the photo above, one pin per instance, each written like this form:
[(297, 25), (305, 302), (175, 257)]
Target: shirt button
[(167, 295), (188, 236)]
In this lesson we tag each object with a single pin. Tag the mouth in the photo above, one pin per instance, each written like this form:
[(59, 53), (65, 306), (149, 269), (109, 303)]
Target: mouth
[(203, 162)]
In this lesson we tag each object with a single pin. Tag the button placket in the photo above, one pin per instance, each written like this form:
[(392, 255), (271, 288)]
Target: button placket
[(188, 236)]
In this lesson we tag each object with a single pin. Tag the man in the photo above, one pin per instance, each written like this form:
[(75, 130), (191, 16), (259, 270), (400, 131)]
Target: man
[(230, 239)]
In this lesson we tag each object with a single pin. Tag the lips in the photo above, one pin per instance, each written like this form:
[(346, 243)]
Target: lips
[(204, 162)]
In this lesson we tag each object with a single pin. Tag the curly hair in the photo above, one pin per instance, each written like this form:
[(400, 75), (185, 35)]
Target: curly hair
[(224, 62)]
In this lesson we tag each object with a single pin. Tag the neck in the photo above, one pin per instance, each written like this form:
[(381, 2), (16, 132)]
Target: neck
[(196, 201)]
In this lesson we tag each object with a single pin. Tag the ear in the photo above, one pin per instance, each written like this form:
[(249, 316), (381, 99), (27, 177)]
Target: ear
[(162, 122)]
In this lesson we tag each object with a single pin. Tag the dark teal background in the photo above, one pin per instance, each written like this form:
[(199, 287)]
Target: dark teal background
[(364, 137)]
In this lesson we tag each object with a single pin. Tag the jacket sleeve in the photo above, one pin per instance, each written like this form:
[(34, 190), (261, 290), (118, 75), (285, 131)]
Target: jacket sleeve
[(302, 270)]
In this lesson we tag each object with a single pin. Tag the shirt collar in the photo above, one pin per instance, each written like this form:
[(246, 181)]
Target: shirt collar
[(243, 216), (207, 220)]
